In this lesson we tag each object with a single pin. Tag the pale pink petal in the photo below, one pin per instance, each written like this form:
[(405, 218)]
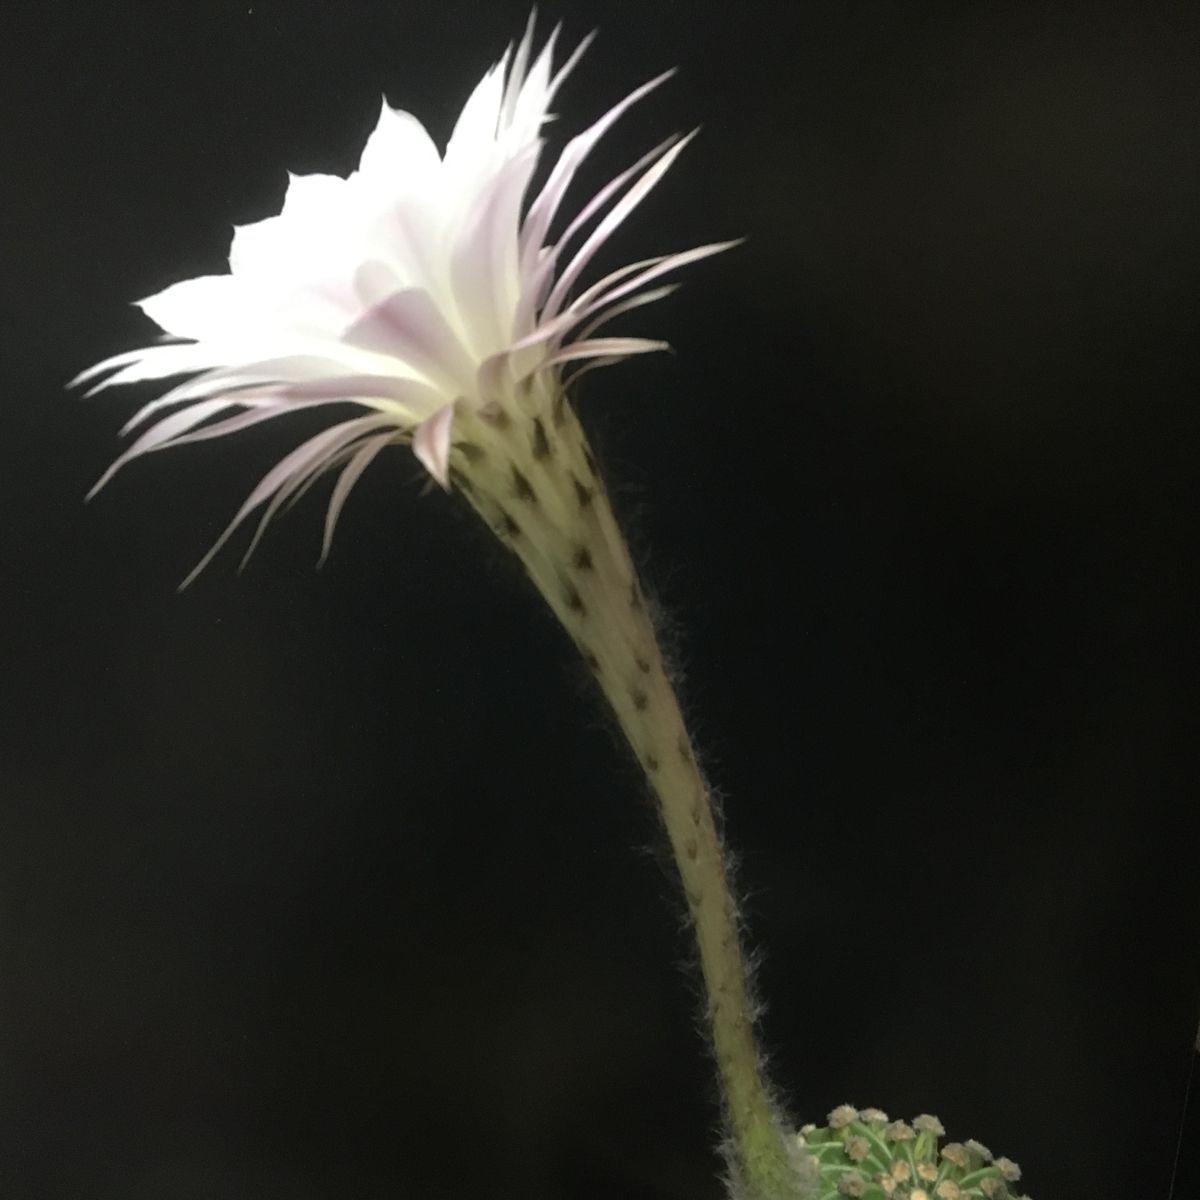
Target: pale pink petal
[(150, 362), (493, 369), (610, 223), (648, 297), (604, 347), (498, 367), (551, 328), (264, 407), (295, 486), (362, 458), (289, 471), (540, 279), (542, 210), (614, 185), (291, 368), (565, 70), (431, 444), (591, 364), (409, 326), (494, 372), (597, 296), (164, 431), (203, 387), (340, 459)]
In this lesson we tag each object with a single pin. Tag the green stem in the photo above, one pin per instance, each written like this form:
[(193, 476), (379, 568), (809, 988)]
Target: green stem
[(533, 480)]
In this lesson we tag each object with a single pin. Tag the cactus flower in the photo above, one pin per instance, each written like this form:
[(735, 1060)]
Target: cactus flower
[(422, 290)]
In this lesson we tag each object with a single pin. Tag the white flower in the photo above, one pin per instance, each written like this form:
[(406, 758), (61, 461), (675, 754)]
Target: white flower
[(421, 289)]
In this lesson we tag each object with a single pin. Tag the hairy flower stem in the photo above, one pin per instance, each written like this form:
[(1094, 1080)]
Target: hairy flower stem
[(532, 479)]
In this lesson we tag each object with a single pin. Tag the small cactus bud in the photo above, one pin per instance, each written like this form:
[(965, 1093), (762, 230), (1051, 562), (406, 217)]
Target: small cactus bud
[(1008, 1169), (852, 1184), (857, 1148), (956, 1154), (898, 1131), (929, 1124), (842, 1116)]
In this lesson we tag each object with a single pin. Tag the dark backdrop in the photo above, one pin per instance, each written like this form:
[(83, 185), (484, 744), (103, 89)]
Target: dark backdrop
[(338, 884)]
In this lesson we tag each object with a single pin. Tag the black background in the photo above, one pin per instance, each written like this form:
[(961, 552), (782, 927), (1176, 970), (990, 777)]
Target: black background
[(338, 884)]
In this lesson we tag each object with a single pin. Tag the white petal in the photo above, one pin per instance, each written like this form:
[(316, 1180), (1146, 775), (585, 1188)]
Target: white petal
[(399, 157), (407, 236), (308, 225), (208, 307), (483, 269), (530, 109), (516, 76), (406, 399), (471, 148)]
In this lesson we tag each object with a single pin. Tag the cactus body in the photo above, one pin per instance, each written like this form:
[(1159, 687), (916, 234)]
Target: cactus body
[(863, 1154)]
